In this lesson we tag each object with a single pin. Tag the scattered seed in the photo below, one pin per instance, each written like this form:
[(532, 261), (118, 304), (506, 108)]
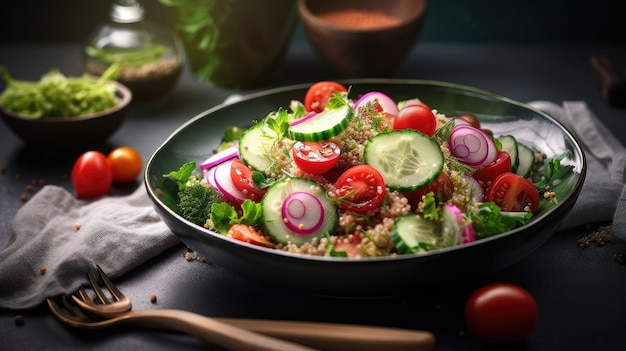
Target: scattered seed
[(19, 319), (23, 197), (43, 270), (153, 298), (78, 226)]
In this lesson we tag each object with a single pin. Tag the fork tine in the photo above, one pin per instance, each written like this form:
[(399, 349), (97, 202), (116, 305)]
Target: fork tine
[(115, 292), (105, 308)]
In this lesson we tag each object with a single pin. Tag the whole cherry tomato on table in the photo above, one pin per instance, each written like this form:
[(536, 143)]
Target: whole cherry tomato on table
[(126, 164), (92, 175), (501, 313), (316, 98)]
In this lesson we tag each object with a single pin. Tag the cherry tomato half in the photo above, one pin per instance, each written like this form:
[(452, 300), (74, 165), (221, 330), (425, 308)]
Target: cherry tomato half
[(513, 193), (248, 234), (501, 313), (126, 163), (315, 158), (316, 98), (242, 180), (442, 187), (92, 175), (501, 164), (360, 188), (417, 117)]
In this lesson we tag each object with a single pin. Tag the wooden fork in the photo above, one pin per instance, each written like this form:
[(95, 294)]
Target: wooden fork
[(83, 312)]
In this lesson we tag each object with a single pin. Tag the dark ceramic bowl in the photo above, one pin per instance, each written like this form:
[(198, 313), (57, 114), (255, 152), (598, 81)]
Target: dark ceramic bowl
[(69, 133), (369, 277), (362, 38)]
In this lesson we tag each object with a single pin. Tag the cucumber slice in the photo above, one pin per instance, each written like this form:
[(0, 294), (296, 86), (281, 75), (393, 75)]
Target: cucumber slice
[(526, 157), (323, 126), (407, 159), (256, 146), (414, 234), (509, 144), (272, 207)]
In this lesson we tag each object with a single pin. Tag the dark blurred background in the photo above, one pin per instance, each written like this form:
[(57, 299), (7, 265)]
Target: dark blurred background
[(447, 21)]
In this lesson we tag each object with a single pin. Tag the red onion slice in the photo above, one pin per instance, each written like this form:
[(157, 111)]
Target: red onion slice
[(472, 146), (302, 212), (384, 101), (303, 119), (224, 183), (221, 157)]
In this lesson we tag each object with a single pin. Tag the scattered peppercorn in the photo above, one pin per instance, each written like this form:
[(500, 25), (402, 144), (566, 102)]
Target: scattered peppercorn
[(153, 298), (23, 197), (3, 170), (43, 270), (19, 319), (30, 188), (600, 237), (78, 226)]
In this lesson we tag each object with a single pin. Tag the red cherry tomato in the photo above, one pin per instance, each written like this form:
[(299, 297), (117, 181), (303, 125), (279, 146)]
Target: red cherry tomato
[(317, 96), (92, 175), (417, 117), (415, 101), (242, 180), (501, 313), (315, 158), (360, 188), (513, 193), (501, 164), (126, 163), (442, 187)]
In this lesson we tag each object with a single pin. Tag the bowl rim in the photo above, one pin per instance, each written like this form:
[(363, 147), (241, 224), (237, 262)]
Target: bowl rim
[(305, 12), (536, 222), (125, 97)]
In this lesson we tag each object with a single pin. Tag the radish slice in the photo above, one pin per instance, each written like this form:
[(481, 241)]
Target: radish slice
[(303, 119), (209, 176), (221, 157), (385, 102), (302, 213), (472, 146), (224, 183)]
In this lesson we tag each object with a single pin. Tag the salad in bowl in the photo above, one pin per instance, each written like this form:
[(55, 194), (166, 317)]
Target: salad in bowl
[(337, 175)]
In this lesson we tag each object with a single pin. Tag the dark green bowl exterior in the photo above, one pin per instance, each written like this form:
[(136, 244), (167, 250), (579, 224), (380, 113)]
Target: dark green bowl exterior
[(368, 277)]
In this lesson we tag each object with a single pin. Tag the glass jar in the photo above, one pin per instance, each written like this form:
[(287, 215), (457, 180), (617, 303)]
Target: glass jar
[(150, 57)]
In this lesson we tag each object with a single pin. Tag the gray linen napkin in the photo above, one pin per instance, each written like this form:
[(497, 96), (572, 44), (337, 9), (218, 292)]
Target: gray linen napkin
[(603, 196), (67, 237)]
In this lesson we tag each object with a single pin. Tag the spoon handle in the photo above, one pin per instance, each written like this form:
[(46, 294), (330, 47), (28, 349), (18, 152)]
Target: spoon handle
[(340, 337)]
